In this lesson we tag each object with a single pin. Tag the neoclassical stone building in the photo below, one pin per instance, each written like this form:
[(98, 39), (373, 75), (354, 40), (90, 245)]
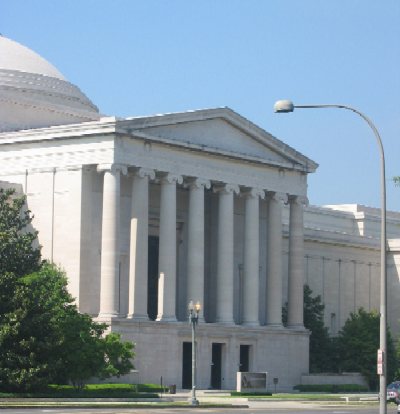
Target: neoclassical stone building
[(148, 213)]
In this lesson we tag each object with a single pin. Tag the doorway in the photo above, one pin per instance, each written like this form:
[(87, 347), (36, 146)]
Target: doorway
[(187, 365), (244, 362), (152, 278), (216, 366)]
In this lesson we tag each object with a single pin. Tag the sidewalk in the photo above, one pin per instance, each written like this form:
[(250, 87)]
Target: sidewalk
[(223, 397), (206, 398)]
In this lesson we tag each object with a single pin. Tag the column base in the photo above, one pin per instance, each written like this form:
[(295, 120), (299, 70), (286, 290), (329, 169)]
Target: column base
[(166, 319), (275, 325), (108, 315), (251, 324), (224, 322), (299, 327), (137, 317)]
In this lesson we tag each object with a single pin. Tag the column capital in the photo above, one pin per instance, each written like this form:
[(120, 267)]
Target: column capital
[(226, 189), (254, 193), (113, 168), (277, 196), (171, 178), (145, 172), (298, 199), (197, 183)]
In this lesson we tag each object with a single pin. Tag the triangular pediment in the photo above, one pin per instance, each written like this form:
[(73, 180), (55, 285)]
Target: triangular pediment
[(221, 131)]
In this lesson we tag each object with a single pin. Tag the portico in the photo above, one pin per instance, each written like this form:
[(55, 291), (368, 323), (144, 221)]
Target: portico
[(172, 192), (194, 190)]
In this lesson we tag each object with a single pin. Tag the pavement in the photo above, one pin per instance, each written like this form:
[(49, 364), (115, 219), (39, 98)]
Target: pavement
[(205, 397), (212, 397)]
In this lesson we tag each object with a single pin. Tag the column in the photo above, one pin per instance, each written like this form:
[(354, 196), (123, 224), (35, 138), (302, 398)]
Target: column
[(274, 259), (296, 262), (195, 259), (225, 254), (139, 235), (251, 257), (109, 279), (167, 249)]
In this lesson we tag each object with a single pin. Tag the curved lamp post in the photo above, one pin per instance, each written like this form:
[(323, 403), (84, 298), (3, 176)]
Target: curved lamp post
[(194, 310), (288, 106)]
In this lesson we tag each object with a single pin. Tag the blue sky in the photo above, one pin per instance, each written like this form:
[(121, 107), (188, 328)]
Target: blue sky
[(143, 57)]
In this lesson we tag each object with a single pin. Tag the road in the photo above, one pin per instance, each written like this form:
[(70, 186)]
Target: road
[(303, 409)]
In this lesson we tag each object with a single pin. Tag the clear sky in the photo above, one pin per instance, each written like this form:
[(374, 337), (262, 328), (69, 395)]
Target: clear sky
[(144, 57)]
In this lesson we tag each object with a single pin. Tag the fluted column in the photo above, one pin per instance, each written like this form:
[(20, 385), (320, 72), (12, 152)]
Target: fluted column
[(195, 260), (138, 258), (296, 262), (225, 254), (110, 228), (274, 259), (167, 249), (251, 257)]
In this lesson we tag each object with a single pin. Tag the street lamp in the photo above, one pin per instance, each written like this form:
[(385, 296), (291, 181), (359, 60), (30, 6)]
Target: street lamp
[(194, 310), (288, 106)]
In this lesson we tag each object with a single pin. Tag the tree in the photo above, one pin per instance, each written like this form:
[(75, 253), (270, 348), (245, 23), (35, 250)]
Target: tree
[(321, 350), (43, 337), (118, 356), (322, 355), (18, 254), (396, 180), (358, 345)]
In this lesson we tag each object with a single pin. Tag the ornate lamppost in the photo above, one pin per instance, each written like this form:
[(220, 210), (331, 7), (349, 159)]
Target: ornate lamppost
[(194, 310)]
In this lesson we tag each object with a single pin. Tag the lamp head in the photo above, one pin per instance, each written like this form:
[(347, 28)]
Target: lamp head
[(283, 106), (197, 307)]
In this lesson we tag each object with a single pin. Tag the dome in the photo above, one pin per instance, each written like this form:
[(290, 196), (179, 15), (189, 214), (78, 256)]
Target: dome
[(15, 56), (34, 94)]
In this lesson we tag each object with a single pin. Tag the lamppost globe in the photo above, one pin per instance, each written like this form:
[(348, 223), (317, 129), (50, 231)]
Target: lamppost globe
[(283, 106)]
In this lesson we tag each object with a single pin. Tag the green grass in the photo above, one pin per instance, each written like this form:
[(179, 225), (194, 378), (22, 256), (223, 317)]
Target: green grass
[(250, 394), (92, 391)]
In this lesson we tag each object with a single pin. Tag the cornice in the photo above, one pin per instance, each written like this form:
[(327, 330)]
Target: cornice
[(105, 126), (211, 150), (131, 125), (340, 239)]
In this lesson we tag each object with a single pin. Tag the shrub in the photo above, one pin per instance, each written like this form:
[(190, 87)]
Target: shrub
[(331, 388)]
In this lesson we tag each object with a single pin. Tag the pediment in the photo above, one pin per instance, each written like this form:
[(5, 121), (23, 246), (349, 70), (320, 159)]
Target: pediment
[(222, 131)]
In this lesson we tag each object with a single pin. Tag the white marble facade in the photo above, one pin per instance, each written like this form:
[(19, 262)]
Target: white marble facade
[(148, 213), (212, 205)]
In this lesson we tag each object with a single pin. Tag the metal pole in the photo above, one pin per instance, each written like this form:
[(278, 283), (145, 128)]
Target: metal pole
[(383, 281), (194, 400), (193, 319)]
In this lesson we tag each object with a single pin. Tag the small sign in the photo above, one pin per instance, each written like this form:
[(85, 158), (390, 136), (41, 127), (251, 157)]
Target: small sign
[(380, 362)]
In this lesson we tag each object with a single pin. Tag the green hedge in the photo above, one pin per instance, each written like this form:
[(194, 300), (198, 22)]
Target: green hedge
[(250, 394), (93, 391), (331, 388)]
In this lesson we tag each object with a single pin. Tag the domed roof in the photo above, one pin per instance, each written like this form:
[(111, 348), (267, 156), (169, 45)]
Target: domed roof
[(15, 56), (34, 94)]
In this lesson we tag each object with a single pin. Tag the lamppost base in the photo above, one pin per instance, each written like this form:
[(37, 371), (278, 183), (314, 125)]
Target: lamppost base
[(194, 401)]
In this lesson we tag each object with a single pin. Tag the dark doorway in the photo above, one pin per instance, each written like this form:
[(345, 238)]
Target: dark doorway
[(187, 365), (152, 278), (244, 358), (216, 365)]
